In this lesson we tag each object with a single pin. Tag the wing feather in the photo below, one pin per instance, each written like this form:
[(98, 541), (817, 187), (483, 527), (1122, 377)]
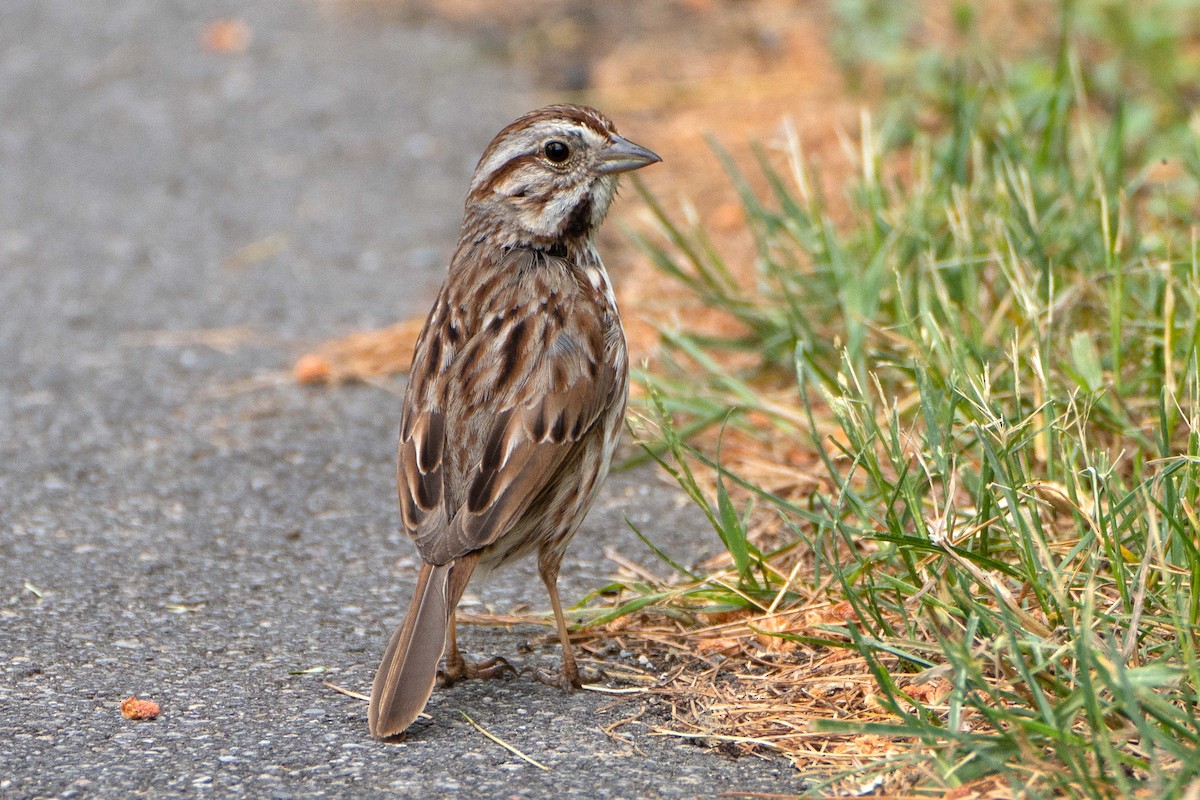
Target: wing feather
[(532, 379)]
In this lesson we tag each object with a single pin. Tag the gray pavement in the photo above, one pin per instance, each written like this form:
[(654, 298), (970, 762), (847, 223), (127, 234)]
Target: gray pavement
[(177, 519)]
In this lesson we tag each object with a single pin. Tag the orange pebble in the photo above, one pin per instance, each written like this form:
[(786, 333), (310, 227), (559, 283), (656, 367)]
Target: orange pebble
[(311, 368), (226, 36), (134, 708)]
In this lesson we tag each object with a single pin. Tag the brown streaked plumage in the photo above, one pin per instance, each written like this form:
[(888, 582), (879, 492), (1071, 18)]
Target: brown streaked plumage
[(517, 391)]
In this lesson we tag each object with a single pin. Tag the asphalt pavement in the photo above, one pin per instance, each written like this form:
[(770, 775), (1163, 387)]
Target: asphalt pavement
[(178, 519)]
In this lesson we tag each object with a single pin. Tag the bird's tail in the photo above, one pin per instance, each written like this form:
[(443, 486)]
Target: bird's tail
[(408, 670)]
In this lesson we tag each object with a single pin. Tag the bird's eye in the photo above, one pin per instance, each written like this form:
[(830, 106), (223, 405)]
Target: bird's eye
[(557, 151)]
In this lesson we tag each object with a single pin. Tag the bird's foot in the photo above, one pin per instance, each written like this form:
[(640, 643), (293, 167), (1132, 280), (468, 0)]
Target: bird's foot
[(486, 669), (567, 678)]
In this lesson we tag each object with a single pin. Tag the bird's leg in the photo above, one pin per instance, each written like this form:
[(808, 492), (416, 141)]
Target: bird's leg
[(567, 678), (457, 667)]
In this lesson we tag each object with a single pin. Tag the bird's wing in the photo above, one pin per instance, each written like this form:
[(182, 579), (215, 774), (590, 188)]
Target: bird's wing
[(507, 409)]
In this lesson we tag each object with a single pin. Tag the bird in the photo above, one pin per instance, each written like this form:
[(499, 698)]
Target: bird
[(517, 391)]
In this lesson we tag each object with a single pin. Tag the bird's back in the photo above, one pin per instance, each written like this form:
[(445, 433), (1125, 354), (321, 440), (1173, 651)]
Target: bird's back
[(549, 348)]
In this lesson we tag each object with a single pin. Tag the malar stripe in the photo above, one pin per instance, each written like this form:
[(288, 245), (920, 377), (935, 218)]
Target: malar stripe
[(578, 223)]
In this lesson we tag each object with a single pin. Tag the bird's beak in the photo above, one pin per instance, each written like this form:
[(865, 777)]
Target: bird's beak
[(623, 155)]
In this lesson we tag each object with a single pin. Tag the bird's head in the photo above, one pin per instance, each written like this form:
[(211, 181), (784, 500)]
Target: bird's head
[(548, 178)]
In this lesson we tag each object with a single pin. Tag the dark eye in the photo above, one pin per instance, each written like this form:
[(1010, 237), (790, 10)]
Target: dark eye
[(557, 151)]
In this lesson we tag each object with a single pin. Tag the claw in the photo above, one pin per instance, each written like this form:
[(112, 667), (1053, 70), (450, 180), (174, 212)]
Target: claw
[(486, 669), (567, 679), (559, 678)]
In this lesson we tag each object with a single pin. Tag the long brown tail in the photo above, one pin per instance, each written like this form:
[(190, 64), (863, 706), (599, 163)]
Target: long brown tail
[(408, 669)]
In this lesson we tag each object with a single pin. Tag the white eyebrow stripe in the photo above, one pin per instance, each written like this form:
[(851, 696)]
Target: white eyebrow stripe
[(527, 141), (510, 149)]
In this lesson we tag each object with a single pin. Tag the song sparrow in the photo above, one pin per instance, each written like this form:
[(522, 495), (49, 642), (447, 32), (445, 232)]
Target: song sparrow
[(517, 392)]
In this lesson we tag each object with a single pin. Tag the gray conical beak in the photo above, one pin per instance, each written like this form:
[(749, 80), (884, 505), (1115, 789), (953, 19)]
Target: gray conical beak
[(623, 155)]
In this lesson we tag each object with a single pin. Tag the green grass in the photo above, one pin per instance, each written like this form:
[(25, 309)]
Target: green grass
[(995, 359)]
